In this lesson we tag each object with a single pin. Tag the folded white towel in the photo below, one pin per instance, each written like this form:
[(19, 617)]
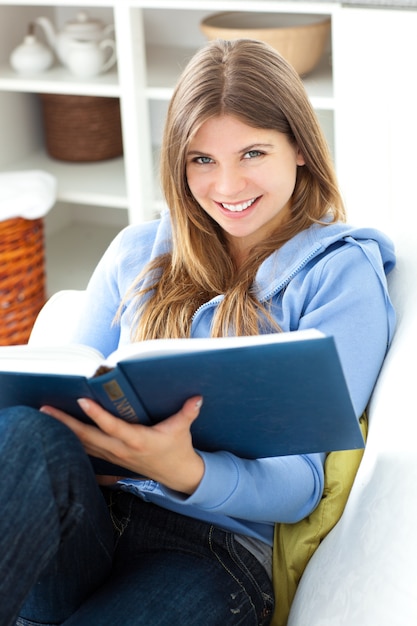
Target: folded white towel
[(29, 194)]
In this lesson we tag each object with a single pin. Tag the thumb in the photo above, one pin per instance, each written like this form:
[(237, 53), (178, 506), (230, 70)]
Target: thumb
[(191, 408), (184, 418)]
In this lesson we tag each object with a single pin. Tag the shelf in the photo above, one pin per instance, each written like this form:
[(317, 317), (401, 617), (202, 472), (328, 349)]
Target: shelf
[(165, 64), (164, 67), (101, 183), (59, 80), (265, 6), (67, 3)]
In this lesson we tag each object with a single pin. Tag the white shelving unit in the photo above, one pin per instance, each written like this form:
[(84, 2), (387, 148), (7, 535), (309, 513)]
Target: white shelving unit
[(155, 39)]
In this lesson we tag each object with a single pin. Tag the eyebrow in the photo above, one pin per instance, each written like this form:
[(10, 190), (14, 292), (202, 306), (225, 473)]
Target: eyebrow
[(254, 146)]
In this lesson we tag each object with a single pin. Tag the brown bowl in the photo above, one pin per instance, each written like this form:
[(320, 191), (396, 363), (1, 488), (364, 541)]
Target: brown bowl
[(300, 38)]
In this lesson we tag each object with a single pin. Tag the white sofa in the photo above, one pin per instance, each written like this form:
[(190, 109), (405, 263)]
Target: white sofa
[(365, 572)]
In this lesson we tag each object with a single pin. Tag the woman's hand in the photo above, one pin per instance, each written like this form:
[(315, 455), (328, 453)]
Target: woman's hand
[(163, 452)]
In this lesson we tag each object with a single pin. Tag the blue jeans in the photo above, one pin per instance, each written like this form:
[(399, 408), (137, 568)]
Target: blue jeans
[(74, 554)]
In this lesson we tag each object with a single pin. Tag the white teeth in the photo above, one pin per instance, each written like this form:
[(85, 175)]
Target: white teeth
[(238, 207)]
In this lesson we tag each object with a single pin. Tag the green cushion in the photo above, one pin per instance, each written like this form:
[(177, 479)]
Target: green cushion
[(294, 544)]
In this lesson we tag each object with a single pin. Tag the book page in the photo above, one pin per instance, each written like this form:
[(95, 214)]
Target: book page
[(84, 360), (69, 359), (160, 347)]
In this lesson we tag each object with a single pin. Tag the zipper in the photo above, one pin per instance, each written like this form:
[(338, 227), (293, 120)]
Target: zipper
[(212, 303), (292, 274), (206, 305)]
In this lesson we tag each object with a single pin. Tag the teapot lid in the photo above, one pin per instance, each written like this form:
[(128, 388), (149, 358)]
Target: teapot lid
[(83, 24)]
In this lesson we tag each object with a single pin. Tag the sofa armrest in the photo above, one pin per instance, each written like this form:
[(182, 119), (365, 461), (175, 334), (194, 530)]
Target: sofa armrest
[(58, 318)]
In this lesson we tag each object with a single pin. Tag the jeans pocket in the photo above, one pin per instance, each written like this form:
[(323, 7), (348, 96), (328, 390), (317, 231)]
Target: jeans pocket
[(253, 585)]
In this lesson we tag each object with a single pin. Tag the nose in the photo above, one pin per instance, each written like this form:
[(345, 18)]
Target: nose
[(229, 181)]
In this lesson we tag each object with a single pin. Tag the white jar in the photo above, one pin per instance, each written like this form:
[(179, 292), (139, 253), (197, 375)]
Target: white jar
[(31, 57)]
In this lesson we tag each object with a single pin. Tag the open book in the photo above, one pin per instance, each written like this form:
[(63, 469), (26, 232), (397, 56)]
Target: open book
[(266, 395)]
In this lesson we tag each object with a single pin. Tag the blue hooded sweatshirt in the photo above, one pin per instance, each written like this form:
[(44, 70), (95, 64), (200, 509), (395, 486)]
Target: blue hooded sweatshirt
[(332, 278)]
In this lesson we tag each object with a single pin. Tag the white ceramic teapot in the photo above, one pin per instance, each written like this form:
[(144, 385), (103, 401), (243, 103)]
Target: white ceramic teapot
[(83, 27), (86, 59)]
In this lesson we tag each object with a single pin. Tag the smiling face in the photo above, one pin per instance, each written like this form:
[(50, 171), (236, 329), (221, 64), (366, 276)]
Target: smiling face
[(243, 177)]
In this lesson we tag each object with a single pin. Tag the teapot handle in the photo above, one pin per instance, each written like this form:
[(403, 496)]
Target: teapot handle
[(108, 43)]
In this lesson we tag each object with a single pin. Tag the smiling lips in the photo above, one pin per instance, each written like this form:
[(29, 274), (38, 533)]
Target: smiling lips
[(238, 208)]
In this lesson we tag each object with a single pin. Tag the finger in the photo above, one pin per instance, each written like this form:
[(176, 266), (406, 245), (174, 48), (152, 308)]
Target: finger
[(108, 423), (94, 441), (74, 424), (116, 427)]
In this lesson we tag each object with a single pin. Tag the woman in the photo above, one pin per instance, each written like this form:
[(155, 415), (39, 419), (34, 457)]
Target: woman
[(254, 241)]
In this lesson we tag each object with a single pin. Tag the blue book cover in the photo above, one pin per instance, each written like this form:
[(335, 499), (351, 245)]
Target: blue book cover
[(271, 395), (266, 400)]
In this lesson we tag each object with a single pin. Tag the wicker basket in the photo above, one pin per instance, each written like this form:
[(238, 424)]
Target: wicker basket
[(22, 278), (82, 128), (301, 39)]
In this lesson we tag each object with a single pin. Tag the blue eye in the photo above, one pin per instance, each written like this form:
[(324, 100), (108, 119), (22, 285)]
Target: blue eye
[(252, 154), (203, 160)]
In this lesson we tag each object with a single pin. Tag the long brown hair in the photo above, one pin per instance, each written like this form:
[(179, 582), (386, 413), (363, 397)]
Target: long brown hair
[(250, 80)]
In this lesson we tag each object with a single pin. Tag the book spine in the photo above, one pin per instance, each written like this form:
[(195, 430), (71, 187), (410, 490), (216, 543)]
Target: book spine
[(115, 394)]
